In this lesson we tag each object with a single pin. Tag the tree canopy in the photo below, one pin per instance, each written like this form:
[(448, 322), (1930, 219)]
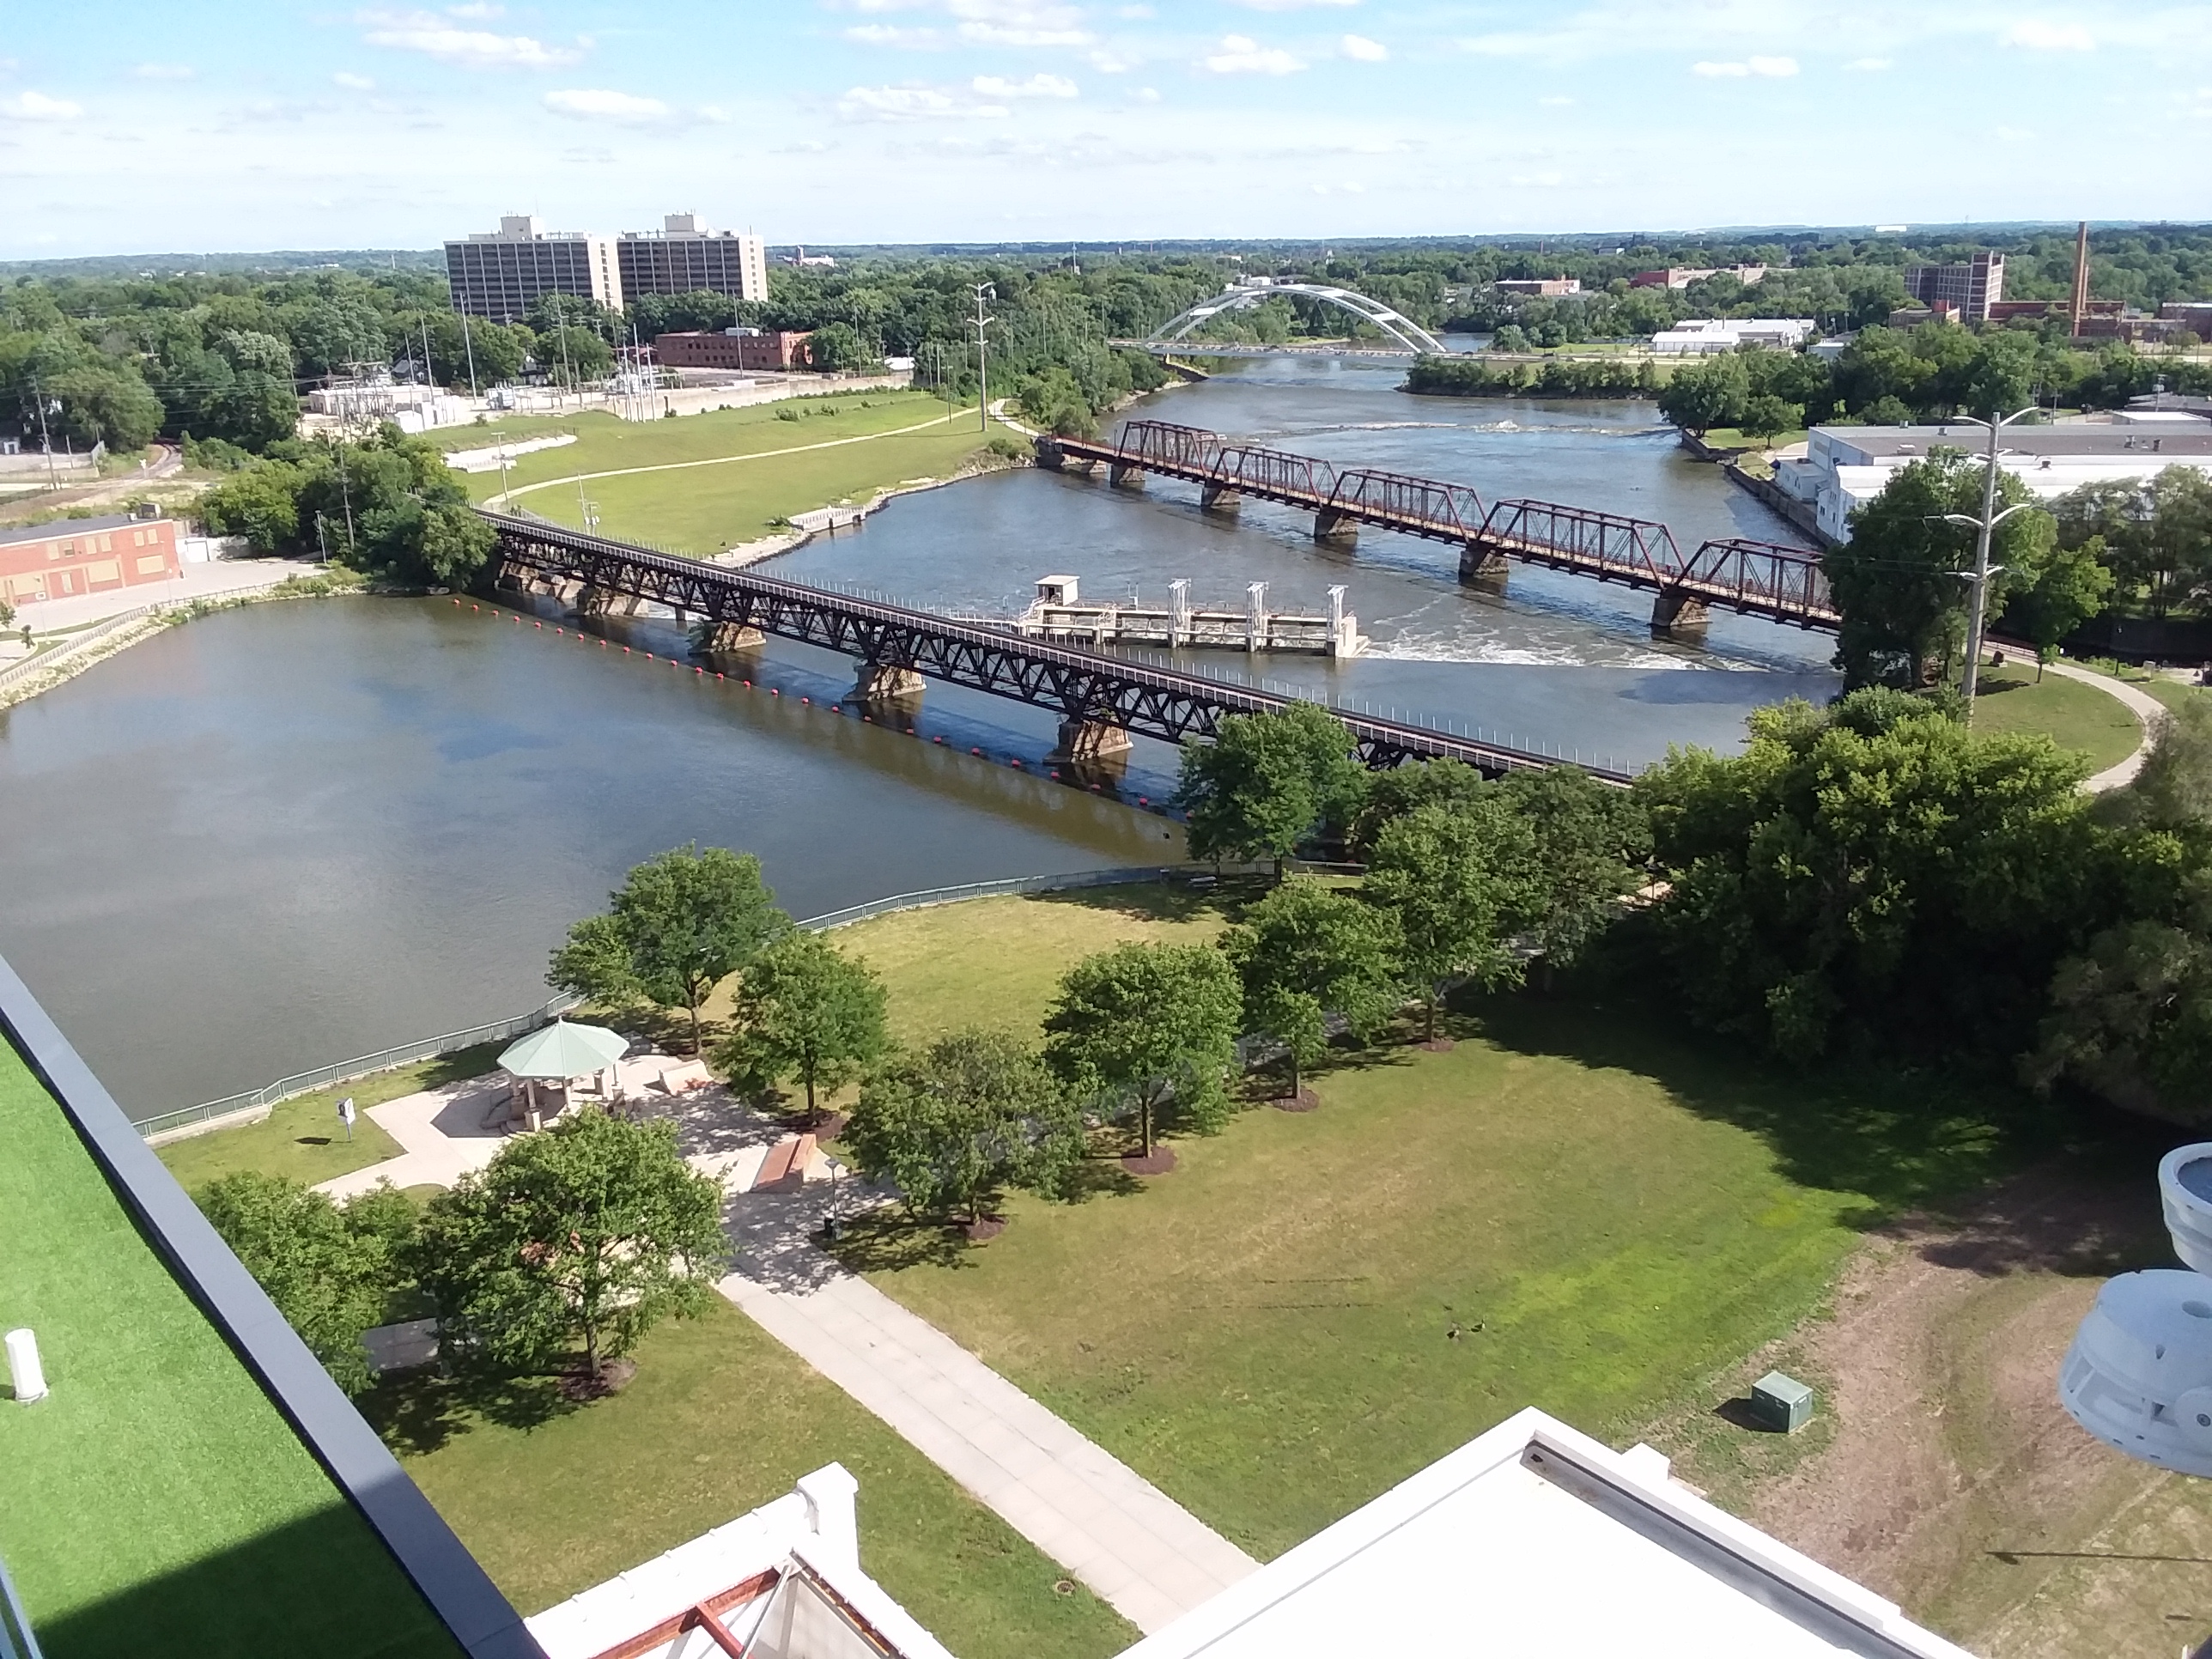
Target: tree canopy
[(1149, 1025), (1460, 881), (1307, 950), (804, 1010), (1268, 781)]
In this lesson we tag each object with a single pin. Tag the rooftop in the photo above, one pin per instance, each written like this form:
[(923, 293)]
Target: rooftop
[(52, 527), (2117, 439)]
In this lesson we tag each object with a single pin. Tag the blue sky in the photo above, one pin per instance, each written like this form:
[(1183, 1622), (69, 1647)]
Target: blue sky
[(253, 123)]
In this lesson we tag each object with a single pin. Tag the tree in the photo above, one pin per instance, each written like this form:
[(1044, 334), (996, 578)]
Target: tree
[(838, 346), (1460, 883), (1155, 1024), (1307, 950), (804, 1008), (1399, 790), (1592, 841), (2071, 585), (973, 1113), (586, 1234), (330, 1271), (679, 925), (1767, 416), (1704, 395), (1267, 781)]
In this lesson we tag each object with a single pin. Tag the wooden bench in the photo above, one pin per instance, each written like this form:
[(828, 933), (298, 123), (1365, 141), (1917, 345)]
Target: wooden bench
[(784, 1166)]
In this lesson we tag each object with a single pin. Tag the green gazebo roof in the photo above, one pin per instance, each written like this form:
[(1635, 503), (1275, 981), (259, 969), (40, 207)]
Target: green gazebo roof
[(562, 1050)]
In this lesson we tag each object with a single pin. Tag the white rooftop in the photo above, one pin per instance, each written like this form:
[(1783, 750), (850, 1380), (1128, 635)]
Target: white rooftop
[(1535, 1542)]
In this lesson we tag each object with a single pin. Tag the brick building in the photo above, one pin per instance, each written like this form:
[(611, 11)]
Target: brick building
[(751, 352), (67, 557)]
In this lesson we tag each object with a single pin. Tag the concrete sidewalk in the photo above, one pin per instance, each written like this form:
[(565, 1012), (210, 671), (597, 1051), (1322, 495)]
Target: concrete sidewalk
[(1146, 1554), (2145, 708), (208, 580), (442, 1134)]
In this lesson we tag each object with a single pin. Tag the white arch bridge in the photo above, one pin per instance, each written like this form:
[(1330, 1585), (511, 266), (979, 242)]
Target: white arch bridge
[(1241, 295)]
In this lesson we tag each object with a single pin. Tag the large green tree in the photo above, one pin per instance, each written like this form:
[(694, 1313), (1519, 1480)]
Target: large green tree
[(1267, 782), (1151, 1026), (804, 1009), (1593, 841), (1309, 950), (583, 1235), (1700, 396), (954, 1125), (679, 925), (1460, 881)]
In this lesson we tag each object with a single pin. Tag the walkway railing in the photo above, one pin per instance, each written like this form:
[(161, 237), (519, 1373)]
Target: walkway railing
[(1015, 885)]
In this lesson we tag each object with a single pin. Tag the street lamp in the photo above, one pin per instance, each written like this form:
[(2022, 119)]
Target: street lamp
[(1982, 526), (833, 1224)]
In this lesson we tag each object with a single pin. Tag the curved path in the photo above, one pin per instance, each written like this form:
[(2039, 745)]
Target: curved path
[(504, 497), (2147, 709)]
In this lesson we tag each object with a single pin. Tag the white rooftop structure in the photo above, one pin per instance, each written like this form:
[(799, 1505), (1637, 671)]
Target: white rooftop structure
[(1845, 467), (1707, 336), (1537, 1542), (782, 1583)]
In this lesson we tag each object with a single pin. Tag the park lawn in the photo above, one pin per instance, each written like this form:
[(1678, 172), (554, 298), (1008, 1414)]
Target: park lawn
[(703, 508), (301, 1138), (721, 1418), (1730, 437), (157, 1499), (1607, 1213), (2075, 716)]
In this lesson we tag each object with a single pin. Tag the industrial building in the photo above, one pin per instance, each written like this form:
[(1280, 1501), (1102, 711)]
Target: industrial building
[(1966, 291), (66, 557), (1712, 336), (747, 350), (498, 274), (1682, 275), (685, 257), (1541, 288)]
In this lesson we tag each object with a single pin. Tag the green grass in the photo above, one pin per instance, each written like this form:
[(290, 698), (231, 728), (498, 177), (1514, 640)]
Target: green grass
[(2075, 716), (1610, 1214), (156, 1499), (301, 1138), (719, 1419), (1728, 437)]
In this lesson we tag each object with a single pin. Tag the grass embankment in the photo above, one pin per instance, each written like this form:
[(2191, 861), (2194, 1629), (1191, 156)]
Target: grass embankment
[(1573, 1209), (721, 1418), (734, 478), (2074, 715), (156, 1499)]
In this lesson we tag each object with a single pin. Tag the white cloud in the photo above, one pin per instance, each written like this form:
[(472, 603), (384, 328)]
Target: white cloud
[(1112, 63), (165, 72), (1776, 67), (1365, 50), (2038, 35), (1868, 65), (1240, 54), (913, 104), (480, 13), (1001, 34), (436, 37), (353, 82), (601, 104), (1020, 23), (1288, 5), (1134, 13), (1145, 96), (890, 34), (37, 106), (1037, 86)]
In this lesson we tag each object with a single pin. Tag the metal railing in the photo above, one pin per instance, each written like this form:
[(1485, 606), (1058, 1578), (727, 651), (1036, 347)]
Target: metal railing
[(1011, 886), (383, 1060)]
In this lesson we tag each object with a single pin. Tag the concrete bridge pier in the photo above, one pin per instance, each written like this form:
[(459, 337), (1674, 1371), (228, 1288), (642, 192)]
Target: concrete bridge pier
[(1218, 498), (1677, 616), (1122, 476), (1484, 567), (1093, 744), (886, 681), (1336, 529), (731, 637)]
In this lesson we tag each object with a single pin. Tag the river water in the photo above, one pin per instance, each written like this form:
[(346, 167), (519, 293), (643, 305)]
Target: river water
[(277, 837)]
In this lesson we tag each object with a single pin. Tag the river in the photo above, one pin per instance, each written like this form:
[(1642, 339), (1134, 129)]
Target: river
[(277, 837)]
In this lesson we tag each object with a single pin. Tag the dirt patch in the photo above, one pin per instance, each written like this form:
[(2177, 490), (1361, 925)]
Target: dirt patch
[(1159, 1161), (1435, 1046), (614, 1377), (984, 1230), (1943, 1473), (1305, 1101)]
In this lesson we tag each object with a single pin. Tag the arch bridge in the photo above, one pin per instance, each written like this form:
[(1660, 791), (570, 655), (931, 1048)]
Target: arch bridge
[(1249, 291)]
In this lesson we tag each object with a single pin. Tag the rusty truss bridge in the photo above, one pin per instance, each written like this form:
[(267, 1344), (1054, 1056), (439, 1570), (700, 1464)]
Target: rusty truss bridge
[(1754, 577), (1101, 699)]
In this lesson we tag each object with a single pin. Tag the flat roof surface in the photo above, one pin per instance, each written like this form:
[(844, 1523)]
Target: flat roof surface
[(156, 1500), (2117, 439), (53, 527)]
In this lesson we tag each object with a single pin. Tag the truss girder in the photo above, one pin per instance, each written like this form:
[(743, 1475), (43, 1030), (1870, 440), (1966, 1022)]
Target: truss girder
[(1393, 324), (1446, 511), (1083, 685)]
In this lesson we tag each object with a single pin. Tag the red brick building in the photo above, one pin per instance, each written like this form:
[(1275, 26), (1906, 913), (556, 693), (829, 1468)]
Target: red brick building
[(760, 351), (63, 557)]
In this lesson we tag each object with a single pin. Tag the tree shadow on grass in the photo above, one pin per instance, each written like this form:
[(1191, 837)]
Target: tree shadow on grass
[(418, 1411), (887, 1240), (1162, 901)]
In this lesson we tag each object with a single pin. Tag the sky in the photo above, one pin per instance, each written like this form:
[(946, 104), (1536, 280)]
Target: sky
[(205, 125)]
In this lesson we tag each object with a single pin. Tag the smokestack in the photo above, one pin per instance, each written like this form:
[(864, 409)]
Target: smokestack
[(2080, 306)]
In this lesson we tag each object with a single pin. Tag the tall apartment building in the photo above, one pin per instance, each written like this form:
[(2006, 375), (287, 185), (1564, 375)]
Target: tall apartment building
[(685, 257), (499, 274), (1969, 289)]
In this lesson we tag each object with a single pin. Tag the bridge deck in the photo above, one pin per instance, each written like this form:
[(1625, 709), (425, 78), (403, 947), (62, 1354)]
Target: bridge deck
[(1091, 687)]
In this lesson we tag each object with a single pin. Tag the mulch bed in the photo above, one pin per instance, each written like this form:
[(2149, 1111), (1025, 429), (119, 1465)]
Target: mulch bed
[(614, 1377), (1305, 1101), (1160, 1161), (1437, 1046), (826, 1126), (983, 1231)]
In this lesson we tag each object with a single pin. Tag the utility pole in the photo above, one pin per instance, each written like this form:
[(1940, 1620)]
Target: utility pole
[(1978, 581), (346, 494), (983, 356), (53, 482)]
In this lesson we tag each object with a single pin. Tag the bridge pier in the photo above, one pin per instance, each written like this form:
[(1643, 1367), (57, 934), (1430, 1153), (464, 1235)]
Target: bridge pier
[(1483, 567), (1122, 476), (1218, 498), (885, 682), (1091, 743), (1677, 616), (1336, 529), (726, 637)]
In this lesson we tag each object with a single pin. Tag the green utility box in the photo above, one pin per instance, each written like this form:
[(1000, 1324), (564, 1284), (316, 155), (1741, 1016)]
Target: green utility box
[(1781, 1403)]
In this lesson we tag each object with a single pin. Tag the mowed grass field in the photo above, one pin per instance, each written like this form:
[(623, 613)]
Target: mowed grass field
[(1572, 1209), (2076, 716), (734, 473)]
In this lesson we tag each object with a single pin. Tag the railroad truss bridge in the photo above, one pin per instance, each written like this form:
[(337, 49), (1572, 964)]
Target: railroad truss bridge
[(1101, 699), (1757, 579)]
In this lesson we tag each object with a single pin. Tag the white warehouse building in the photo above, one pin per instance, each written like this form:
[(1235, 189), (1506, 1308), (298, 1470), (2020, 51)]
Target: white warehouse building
[(1702, 337), (1845, 467)]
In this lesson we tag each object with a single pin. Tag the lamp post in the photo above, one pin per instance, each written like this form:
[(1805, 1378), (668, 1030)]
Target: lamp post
[(1978, 582), (833, 1224)]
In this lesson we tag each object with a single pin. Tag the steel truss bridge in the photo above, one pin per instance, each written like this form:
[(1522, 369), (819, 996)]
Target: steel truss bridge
[(1092, 693), (1754, 577), (1404, 334)]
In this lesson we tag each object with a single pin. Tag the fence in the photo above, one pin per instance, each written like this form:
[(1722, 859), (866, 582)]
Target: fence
[(383, 1060), (1010, 885)]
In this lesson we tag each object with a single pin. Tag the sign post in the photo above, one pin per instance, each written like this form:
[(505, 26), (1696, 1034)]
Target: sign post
[(346, 1114)]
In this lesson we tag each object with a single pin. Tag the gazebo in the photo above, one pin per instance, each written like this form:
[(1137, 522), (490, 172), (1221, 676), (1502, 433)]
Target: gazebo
[(553, 1060)]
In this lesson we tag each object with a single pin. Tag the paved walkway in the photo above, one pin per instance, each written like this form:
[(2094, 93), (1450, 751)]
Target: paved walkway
[(208, 579), (2146, 708), (441, 1134)]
